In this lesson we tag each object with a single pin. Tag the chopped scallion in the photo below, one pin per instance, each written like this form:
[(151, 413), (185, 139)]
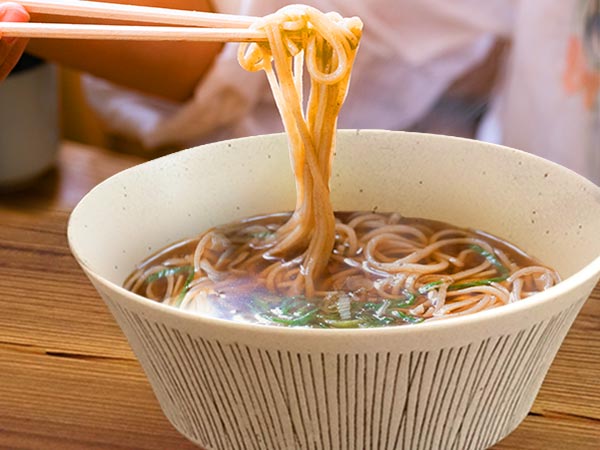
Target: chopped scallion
[(168, 272)]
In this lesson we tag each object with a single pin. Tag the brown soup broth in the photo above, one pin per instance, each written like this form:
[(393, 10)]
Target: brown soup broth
[(385, 269)]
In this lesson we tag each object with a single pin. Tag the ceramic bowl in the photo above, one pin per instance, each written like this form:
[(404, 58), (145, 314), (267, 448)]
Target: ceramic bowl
[(463, 383)]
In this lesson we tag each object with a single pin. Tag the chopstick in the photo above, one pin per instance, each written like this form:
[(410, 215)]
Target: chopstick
[(128, 32), (222, 27), (115, 11)]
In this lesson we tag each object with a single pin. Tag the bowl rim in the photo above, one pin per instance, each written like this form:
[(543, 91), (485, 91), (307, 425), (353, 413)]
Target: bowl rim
[(586, 274)]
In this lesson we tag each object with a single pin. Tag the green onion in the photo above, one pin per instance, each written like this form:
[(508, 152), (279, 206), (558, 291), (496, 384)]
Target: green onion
[(168, 272), (492, 260), (468, 284), (343, 323), (289, 311), (377, 321), (286, 304), (503, 272), (501, 268), (409, 300), (371, 305), (174, 271), (186, 287), (303, 319), (429, 286)]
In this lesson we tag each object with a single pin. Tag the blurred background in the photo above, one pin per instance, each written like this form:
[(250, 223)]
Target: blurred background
[(457, 113), (525, 74)]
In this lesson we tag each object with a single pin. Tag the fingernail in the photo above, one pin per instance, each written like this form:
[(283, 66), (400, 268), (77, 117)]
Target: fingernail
[(15, 15)]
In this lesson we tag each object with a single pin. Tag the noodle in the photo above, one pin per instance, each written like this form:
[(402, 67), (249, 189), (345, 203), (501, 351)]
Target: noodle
[(328, 44), (315, 268)]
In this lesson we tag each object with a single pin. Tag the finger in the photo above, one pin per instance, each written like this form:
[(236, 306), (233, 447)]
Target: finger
[(12, 12), (12, 56), (11, 48)]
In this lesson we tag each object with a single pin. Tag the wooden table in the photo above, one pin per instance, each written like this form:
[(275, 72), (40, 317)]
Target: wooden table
[(68, 379)]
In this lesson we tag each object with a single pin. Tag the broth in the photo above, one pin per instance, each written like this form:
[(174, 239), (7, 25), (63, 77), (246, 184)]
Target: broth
[(384, 269)]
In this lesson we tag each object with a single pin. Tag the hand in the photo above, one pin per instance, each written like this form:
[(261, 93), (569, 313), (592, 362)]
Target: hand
[(11, 49)]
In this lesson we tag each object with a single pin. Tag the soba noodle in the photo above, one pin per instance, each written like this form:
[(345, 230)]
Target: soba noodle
[(328, 44), (315, 268)]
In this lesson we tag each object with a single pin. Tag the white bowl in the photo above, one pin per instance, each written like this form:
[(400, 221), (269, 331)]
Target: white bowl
[(463, 383)]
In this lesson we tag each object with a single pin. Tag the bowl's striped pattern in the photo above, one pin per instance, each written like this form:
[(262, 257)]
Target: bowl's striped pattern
[(233, 396)]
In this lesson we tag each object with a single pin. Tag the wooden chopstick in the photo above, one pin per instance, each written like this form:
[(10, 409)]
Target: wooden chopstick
[(115, 11), (128, 32), (220, 27)]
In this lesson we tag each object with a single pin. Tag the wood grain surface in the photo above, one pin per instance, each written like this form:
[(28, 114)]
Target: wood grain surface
[(68, 379)]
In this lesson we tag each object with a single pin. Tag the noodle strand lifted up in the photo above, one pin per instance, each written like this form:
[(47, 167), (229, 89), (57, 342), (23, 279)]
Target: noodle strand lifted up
[(328, 44)]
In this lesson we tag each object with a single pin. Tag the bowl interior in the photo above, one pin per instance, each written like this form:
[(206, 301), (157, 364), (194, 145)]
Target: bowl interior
[(544, 208)]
